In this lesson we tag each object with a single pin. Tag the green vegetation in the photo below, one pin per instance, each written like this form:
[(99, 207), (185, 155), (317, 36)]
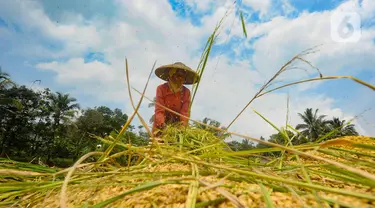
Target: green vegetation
[(50, 128)]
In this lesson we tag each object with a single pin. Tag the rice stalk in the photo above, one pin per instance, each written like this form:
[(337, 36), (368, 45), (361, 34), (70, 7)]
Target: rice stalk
[(365, 146), (21, 173), (243, 25), (353, 152), (263, 150), (227, 195), (266, 196), (283, 180), (131, 98), (296, 195), (193, 188), (269, 82), (367, 182), (336, 203), (342, 177), (143, 187), (63, 198), (27, 188), (287, 141), (349, 159), (110, 148), (298, 133), (203, 61), (354, 170), (195, 89), (320, 79), (25, 166), (211, 202)]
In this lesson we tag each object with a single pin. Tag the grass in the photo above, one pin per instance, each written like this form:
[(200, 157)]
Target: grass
[(198, 169)]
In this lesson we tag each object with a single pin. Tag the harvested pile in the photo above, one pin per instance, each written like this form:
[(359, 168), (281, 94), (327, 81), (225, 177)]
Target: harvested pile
[(196, 169)]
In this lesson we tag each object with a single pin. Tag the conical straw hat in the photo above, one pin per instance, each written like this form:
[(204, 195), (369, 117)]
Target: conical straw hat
[(163, 72)]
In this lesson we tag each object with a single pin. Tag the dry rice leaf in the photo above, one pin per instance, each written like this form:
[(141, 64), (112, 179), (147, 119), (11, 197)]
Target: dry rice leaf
[(336, 142), (18, 172), (228, 195)]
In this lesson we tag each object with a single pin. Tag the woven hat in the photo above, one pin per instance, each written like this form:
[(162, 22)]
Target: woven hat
[(163, 72)]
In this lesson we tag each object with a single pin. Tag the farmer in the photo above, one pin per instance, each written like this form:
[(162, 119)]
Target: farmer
[(173, 95)]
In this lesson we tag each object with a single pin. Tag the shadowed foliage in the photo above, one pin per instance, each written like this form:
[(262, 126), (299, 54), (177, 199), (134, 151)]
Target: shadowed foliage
[(341, 129), (314, 125)]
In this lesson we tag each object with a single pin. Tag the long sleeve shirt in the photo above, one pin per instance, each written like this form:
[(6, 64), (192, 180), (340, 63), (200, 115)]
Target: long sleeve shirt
[(178, 102)]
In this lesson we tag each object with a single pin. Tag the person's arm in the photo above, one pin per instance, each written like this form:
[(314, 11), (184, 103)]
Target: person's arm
[(159, 111), (185, 107)]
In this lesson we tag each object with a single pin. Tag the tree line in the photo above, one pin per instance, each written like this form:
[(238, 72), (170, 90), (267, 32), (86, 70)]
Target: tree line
[(52, 126), (315, 128)]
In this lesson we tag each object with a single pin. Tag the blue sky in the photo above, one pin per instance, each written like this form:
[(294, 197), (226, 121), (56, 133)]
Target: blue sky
[(76, 47), (316, 5)]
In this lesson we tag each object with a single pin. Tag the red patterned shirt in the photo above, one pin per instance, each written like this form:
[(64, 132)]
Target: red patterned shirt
[(178, 102)]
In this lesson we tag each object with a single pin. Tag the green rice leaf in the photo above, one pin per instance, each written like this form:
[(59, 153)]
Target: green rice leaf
[(243, 25), (364, 146), (266, 196), (352, 152), (269, 122)]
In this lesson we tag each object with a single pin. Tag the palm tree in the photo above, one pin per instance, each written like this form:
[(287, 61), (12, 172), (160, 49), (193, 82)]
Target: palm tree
[(341, 129), (246, 144), (5, 83), (62, 107), (314, 126), (5, 80)]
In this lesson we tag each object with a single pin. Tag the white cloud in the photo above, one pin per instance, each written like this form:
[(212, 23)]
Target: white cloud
[(201, 5), (282, 38), (368, 9), (83, 72), (76, 35), (287, 8), (150, 30), (261, 6)]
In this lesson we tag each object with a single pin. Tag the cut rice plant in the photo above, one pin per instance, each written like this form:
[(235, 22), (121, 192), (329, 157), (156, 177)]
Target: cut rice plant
[(194, 179), (243, 24), (195, 167)]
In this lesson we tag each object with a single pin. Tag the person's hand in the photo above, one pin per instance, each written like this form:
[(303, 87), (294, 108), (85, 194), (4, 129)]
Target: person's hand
[(158, 140), (156, 133)]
